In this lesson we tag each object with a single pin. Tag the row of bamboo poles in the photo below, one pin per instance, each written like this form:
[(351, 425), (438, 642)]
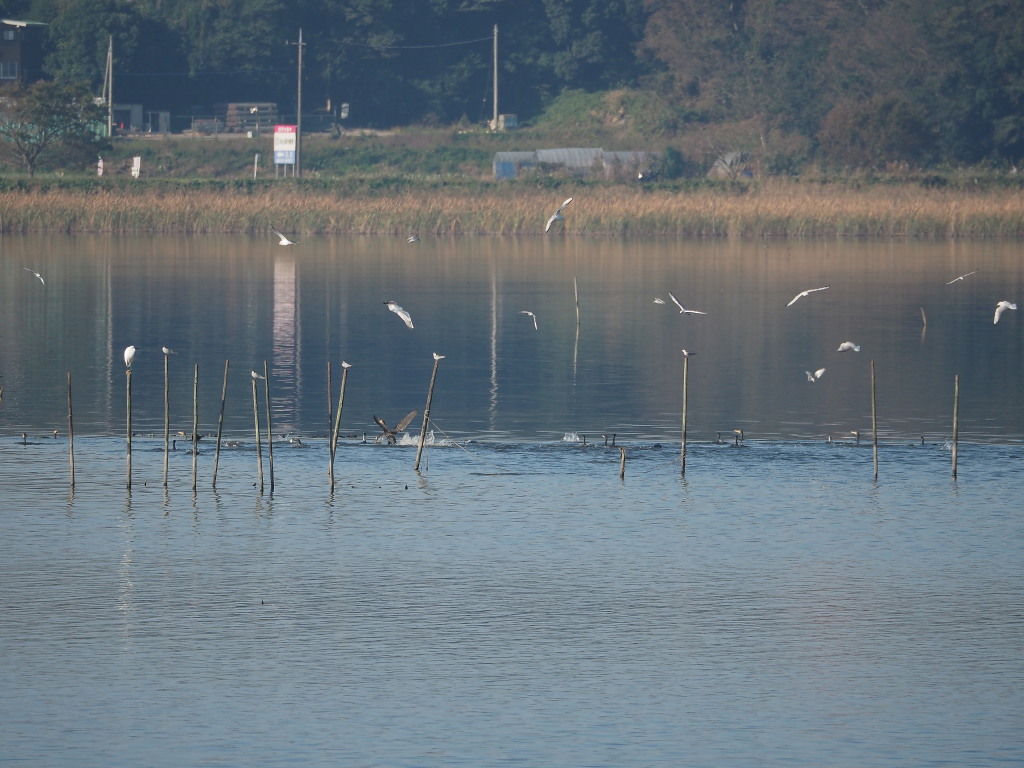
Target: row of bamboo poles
[(334, 421)]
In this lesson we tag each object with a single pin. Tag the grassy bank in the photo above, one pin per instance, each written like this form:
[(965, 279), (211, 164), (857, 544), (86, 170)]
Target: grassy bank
[(383, 205)]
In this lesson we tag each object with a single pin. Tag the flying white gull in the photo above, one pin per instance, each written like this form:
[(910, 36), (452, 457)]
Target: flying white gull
[(394, 307), (848, 346), (808, 292), (284, 239), (812, 377), (412, 239), (683, 310), (557, 215), (1001, 307), (533, 316), (967, 274), (659, 301), (129, 355), (36, 274)]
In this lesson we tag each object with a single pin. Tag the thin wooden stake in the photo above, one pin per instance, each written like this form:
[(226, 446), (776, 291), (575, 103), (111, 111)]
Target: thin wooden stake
[(220, 422), (956, 419), (682, 453), (874, 421), (622, 464), (426, 411), (337, 419), (330, 405), (576, 293), (195, 426), (270, 432), (167, 419), (128, 420), (259, 447), (71, 434)]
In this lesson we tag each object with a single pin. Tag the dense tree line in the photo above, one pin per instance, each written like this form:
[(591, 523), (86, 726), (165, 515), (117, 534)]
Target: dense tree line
[(860, 82)]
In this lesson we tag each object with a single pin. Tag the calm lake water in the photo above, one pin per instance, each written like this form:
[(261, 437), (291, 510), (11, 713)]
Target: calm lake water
[(515, 602)]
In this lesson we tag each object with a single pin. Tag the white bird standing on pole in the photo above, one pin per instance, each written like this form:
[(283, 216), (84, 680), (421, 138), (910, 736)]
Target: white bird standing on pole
[(256, 376), (683, 310), (394, 307), (129, 356), (1001, 307), (168, 351), (532, 316), (557, 215), (808, 292), (284, 239)]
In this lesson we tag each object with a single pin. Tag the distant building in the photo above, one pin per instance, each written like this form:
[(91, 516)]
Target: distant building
[(573, 161), (21, 51)]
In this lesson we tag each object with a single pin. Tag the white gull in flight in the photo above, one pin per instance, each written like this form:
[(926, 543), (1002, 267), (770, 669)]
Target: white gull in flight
[(394, 307)]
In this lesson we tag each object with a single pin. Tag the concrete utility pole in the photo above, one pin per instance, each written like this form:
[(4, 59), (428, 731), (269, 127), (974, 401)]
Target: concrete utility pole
[(298, 111), (494, 118)]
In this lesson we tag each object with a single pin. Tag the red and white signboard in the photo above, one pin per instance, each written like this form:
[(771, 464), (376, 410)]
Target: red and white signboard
[(284, 144)]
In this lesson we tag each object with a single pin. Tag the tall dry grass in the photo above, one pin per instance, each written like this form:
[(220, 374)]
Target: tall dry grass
[(771, 209)]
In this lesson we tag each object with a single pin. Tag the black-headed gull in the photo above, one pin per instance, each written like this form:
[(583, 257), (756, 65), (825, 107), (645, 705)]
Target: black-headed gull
[(1001, 307), (808, 292), (284, 238), (683, 310), (816, 375), (394, 307), (557, 215), (961, 277), (40, 277), (532, 316)]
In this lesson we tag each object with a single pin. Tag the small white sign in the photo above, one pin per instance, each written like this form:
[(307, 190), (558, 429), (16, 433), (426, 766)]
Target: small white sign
[(284, 144)]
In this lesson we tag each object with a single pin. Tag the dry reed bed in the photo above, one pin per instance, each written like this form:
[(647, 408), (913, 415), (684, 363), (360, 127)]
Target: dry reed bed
[(772, 209)]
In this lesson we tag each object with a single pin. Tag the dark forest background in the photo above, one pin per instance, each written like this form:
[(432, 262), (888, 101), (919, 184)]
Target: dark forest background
[(848, 82)]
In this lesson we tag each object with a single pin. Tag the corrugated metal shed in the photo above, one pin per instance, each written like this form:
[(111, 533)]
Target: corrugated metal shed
[(581, 161), (573, 158), (508, 164)]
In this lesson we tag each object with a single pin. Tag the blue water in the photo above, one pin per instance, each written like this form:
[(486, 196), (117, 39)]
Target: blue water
[(514, 602)]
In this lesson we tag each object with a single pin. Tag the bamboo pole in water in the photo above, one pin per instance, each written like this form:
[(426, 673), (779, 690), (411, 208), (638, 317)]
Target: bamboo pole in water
[(576, 294), (956, 419), (195, 425), (874, 421), (270, 432), (622, 464), (71, 434), (682, 452), (426, 411), (220, 422), (167, 418), (128, 424), (330, 404), (256, 418), (337, 419)]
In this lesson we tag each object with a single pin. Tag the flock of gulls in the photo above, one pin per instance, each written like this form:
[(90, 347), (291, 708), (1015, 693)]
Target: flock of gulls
[(390, 434)]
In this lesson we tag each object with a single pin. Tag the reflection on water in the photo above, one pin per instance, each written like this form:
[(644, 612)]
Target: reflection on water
[(242, 299)]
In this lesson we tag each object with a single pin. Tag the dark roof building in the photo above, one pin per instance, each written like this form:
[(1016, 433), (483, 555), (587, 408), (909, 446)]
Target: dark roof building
[(21, 51)]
